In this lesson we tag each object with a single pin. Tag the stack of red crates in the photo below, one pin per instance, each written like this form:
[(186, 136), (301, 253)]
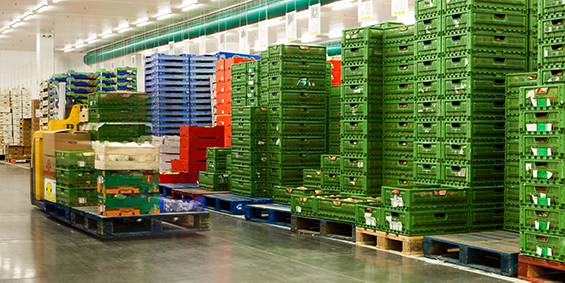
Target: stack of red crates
[(223, 95), (336, 71), (194, 141)]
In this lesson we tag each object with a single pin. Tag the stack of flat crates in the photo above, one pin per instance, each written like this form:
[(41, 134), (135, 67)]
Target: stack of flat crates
[(399, 103), (541, 142), (533, 35), (295, 87), (216, 177), (246, 84), (201, 70), (512, 148), (361, 111), (76, 178), (334, 119)]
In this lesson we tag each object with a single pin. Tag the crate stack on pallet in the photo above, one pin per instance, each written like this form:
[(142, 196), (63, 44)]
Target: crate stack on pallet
[(512, 148), (361, 112), (76, 178), (193, 143), (296, 90), (36, 115), (398, 103), (6, 131), (216, 176), (127, 177), (44, 104), (121, 79), (117, 116), (81, 84), (245, 85), (54, 82)]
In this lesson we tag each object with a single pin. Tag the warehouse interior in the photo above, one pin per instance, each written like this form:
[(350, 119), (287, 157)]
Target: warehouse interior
[(282, 140)]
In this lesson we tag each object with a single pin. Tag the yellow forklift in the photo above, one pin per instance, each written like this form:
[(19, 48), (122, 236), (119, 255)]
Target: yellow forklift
[(76, 120)]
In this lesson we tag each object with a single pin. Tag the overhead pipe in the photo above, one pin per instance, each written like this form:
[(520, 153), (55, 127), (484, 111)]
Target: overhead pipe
[(228, 19)]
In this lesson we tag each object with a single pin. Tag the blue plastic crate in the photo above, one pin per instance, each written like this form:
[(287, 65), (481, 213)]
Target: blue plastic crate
[(82, 76), (108, 88), (170, 100), (168, 88), (82, 90), (163, 56), (107, 74), (161, 81), (159, 75), (168, 63), (200, 100), (169, 69), (201, 119), (194, 64), (126, 80), (90, 83), (199, 89), (199, 94), (126, 88), (108, 81), (203, 58)]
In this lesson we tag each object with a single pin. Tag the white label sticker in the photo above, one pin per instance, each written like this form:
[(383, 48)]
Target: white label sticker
[(81, 164), (298, 209), (82, 200), (539, 251), (370, 220)]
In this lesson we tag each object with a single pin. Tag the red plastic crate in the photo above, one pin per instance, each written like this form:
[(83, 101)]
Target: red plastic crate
[(223, 98), (173, 178), (193, 155), (234, 60), (224, 108), (194, 132)]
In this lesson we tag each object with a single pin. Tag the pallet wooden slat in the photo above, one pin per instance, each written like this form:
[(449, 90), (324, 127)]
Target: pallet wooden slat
[(408, 245), (536, 269)]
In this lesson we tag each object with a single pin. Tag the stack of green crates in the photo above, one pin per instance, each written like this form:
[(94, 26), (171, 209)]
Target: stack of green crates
[(76, 178), (361, 111), (334, 119), (512, 148), (331, 172), (533, 35), (114, 111), (249, 151), (246, 84), (128, 192), (216, 176), (296, 94), (398, 104)]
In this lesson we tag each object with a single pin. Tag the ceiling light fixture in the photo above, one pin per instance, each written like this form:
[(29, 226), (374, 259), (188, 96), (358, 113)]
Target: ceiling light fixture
[(28, 16), (343, 6), (165, 16), (124, 29), (55, 1), (92, 40), (142, 22), (17, 24), (107, 34), (338, 3), (80, 45), (6, 30), (42, 8), (68, 49)]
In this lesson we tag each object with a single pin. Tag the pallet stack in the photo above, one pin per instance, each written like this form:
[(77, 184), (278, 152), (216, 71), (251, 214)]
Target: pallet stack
[(76, 178), (512, 148), (44, 104), (216, 176), (193, 143), (296, 95), (36, 115), (361, 112), (80, 84), (121, 79)]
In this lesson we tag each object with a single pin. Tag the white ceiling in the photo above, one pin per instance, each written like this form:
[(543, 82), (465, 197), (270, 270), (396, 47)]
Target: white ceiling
[(76, 21)]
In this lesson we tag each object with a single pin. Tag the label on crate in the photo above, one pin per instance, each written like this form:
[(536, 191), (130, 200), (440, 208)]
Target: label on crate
[(100, 180), (397, 202), (82, 200), (360, 164), (81, 164), (370, 220), (542, 225), (462, 173), (539, 127), (544, 251), (299, 209), (541, 151), (541, 174), (394, 225)]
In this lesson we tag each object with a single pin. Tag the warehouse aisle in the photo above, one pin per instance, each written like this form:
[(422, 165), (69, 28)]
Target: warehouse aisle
[(36, 248)]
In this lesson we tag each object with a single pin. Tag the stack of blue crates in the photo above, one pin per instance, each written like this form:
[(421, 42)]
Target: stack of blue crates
[(180, 91)]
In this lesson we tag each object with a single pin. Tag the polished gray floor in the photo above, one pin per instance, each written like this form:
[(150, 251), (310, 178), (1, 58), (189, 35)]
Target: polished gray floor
[(36, 248)]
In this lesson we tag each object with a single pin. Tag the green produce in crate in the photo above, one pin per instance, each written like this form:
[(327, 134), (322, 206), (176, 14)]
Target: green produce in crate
[(425, 198), (249, 142), (75, 159), (76, 196), (421, 223), (362, 36), (84, 178), (351, 126), (312, 177), (541, 245)]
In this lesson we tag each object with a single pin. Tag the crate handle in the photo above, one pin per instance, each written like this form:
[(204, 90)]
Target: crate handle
[(498, 168), (542, 238), (304, 125), (353, 50), (455, 60), (498, 212), (499, 103), (557, 22), (427, 42), (456, 168), (402, 124), (499, 60), (499, 190), (427, 104), (353, 86), (456, 38), (499, 125), (427, 125), (304, 109), (427, 83), (427, 166), (428, 63), (499, 82), (499, 38), (455, 82), (403, 181), (500, 16), (304, 63), (542, 115), (455, 146), (403, 48), (403, 67), (428, 21), (456, 125), (455, 103), (402, 143), (542, 189), (499, 146), (275, 63), (541, 140), (304, 140), (426, 145), (541, 164), (304, 155), (402, 162), (304, 94), (403, 86), (557, 72), (456, 16), (336, 203)]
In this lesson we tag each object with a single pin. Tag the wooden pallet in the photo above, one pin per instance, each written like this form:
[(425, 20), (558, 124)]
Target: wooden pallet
[(540, 270), (166, 190), (87, 219), (408, 245), (322, 227), (232, 204), (495, 252), (271, 213)]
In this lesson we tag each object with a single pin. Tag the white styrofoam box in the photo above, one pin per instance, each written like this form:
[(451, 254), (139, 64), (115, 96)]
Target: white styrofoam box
[(7, 127), (6, 119), (5, 109), (5, 92), (26, 92), (27, 115), (163, 157), (16, 127), (17, 116), (5, 104)]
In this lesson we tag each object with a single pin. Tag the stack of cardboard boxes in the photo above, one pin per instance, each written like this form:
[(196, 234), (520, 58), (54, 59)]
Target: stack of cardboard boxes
[(6, 136)]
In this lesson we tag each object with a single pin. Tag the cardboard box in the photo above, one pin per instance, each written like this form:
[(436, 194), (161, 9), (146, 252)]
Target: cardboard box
[(50, 191), (65, 140)]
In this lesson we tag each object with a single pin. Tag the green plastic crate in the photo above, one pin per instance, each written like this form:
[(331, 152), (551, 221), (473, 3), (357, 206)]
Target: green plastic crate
[(76, 196), (512, 171), (248, 156), (369, 216), (352, 183), (303, 66), (398, 108), (283, 194), (428, 46), (548, 76), (542, 96), (475, 85), (71, 178), (398, 127), (512, 149), (331, 178), (285, 172), (362, 36), (361, 107), (361, 52), (485, 17), (552, 28), (361, 146), (486, 219), (427, 172), (360, 88), (293, 157), (541, 245), (294, 97), (305, 204), (394, 165), (354, 70), (542, 170), (119, 133), (297, 112), (428, 129), (249, 142), (296, 81), (399, 90), (512, 4), (249, 187), (399, 51), (219, 153), (427, 150), (398, 32), (516, 80), (470, 62), (429, 24), (429, 66), (213, 181), (75, 159), (343, 208), (512, 219), (546, 121), (420, 223), (398, 146), (542, 196), (316, 143), (128, 204), (246, 127), (424, 7), (428, 108), (551, 53), (297, 51), (399, 181), (542, 220), (330, 162), (512, 126), (254, 172), (351, 126), (116, 99), (312, 176), (294, 128), (489, 41), (472, 173), (361, 165), (542, 146), (215, 165), (467, 129), (131, 181), (425, 198), (130, 114), (429, 87), (468, 151), (485, 196), (399, 71)]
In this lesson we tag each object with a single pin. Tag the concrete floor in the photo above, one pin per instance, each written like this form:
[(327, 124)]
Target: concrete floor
[(37, 248)]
